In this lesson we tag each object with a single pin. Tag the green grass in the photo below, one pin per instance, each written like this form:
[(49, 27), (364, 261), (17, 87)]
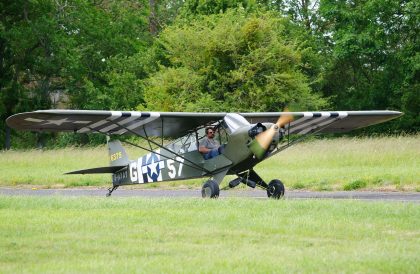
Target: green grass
[(355, 185), (386, 163), (72, 235)]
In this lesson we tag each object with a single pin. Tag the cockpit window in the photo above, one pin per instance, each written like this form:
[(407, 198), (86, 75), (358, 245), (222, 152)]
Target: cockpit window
[(184, 144), (190, 141)]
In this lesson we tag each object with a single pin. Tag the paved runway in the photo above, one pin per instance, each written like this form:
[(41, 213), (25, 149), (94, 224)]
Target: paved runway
[(251, 193)]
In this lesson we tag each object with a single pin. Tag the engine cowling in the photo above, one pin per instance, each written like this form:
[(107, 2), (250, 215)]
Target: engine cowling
[(255, 146)]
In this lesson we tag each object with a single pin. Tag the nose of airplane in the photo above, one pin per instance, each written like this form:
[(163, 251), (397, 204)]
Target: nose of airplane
[(262, 141)]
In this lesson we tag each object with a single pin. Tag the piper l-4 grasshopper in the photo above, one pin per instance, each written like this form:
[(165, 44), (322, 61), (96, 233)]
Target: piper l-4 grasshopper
[(247, 138)]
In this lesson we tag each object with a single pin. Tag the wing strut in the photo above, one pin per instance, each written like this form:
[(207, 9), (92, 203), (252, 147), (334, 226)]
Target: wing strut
[(166, 157), (162, 147), (300, 139), (147, 137), (151, 149)]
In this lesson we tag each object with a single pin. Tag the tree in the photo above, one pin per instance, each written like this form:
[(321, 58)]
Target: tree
[(231, 62), (105, 36), (374, 47), (51, 49), (194, 8), (30, 43)]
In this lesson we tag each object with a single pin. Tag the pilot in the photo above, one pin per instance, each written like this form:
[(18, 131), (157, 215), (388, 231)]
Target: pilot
[(209, 147)]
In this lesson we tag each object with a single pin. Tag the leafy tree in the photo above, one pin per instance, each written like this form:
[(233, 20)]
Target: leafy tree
[(64, 49), (104, 37), (31, 44), (192, 8), (374, 47), (232, 62)]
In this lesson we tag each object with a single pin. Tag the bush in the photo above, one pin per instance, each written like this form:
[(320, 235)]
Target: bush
[(355, 185)]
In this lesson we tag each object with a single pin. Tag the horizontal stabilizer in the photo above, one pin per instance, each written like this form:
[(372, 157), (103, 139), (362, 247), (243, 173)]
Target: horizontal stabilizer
[(106, 169)]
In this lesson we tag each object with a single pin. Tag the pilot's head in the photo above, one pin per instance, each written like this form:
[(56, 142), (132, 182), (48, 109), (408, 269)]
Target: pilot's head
[(210, 132)]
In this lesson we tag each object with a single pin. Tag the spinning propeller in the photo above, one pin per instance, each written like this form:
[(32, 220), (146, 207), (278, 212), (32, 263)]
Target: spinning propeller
[(262, 141)]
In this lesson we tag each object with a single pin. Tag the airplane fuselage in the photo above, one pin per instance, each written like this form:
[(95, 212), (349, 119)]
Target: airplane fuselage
[(166, 165)]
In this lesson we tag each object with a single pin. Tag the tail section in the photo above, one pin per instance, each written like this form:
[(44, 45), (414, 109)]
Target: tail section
[(97, 170), (117, 154), (118, 160)]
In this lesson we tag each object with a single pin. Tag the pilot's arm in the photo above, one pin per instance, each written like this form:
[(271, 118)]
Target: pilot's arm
[(203, 149), (203, 146)]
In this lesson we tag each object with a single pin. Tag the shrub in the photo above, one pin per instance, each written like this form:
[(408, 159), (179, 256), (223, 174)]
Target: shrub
[(355, 185)]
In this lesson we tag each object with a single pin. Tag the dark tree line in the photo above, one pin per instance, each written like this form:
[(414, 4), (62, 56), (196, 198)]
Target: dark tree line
[(214, 55)]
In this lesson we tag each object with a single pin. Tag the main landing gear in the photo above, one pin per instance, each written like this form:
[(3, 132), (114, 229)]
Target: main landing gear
[(210, 189), (275, 189)]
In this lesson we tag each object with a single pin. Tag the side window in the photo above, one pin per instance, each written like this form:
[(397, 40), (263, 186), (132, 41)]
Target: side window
[(183, 144), (222, 135)]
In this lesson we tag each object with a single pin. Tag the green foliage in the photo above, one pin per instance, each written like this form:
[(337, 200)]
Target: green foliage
[(374, 49), (108, 35), (233, 61), (181, 91), (201, 55), (193, 8), (68, 54), (355, 185)]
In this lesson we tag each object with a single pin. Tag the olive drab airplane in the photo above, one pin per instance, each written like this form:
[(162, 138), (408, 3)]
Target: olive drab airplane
[(246, 138)]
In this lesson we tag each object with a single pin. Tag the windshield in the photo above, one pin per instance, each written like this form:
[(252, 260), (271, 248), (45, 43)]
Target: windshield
[(190, 141)]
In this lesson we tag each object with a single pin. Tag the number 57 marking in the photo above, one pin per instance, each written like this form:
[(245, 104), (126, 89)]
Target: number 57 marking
[(172, 169)]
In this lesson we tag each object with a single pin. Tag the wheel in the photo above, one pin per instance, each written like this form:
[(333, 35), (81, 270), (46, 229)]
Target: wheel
[(275, 189), (210, 189)]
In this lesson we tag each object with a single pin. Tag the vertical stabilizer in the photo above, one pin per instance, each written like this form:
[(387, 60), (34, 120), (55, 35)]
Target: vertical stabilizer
[(117, 154)]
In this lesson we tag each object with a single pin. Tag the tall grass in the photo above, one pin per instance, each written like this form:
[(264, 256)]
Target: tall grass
[(387, 163)]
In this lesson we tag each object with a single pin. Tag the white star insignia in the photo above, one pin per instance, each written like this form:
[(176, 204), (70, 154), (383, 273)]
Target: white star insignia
[(153, 168), (57, 122)]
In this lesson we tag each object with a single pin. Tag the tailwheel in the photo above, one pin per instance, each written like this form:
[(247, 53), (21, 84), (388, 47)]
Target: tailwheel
[(275, 189), (111, 189), (210, 189)]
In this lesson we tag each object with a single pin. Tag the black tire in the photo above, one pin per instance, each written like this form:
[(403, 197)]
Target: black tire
[(210, 189), (275, 189)]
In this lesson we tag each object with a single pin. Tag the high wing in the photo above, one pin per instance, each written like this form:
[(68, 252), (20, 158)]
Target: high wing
[(326, 121), (161, 124), (176, 124)]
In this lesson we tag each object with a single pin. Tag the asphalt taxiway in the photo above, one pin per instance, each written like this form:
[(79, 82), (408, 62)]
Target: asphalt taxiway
[(251, 193)]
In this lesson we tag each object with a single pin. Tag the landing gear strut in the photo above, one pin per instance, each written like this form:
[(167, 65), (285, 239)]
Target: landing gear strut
[(250, 178), (275, 189), (111, 189)]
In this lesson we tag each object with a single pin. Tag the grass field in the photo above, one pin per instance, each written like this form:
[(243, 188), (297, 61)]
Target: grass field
[(386, 163), (99, 235)]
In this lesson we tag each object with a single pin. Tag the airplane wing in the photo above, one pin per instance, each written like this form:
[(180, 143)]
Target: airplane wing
[(326, 121), (161, 124), (176, 124)]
